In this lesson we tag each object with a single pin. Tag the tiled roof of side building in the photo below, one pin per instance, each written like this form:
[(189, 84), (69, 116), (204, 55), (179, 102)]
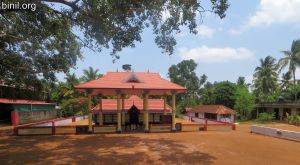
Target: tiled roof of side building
[(216, 109), (22, 101)]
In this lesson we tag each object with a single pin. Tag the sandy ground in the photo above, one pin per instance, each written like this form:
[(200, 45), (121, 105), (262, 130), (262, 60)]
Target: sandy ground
[(226, 147)]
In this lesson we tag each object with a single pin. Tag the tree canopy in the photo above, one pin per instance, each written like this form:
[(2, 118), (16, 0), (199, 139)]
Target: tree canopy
[(265, 79), (292, 61), (49, 40), (224, 93)]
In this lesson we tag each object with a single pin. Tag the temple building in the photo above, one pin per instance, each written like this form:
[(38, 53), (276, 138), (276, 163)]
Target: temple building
[(133, 112), (128, 111)]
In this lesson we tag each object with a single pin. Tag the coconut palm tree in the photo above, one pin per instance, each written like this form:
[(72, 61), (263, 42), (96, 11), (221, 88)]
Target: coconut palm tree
[(90, 74), (291, 60), (265, 77), (285, 80), (71, 80)]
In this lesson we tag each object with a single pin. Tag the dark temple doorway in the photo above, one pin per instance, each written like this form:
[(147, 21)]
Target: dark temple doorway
[(134, 124)]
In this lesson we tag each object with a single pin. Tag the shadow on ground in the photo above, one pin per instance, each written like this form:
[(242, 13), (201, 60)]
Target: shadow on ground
[(98, 149)]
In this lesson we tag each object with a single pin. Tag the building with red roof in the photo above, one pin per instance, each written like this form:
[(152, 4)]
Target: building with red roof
[(215, 112), (126, 110), (20, 111)]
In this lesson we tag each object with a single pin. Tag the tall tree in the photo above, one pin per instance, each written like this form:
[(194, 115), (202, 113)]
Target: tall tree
[(291, 60), (244, 102), (184, 74), (285, 81), (46, 41), (90, 74), (265, 78), (224, 93), (207, 94), (241, 81)]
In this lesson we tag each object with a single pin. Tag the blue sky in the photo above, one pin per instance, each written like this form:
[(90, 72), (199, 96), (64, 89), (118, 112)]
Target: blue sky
[(223, 49)]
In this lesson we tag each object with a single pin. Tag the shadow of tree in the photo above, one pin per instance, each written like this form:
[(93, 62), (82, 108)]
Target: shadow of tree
[(99, 149)]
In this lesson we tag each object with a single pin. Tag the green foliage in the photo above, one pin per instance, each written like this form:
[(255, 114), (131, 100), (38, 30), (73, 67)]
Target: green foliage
[(293, 119), (90, 74), (265, 79), (74, 107), (208, 96), (225, 93), (184, 74), (265, 117), (47, 41), (244, 103), (291, 60), (241, 81)]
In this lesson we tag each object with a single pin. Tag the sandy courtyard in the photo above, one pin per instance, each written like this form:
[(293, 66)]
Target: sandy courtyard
[(230, 147)]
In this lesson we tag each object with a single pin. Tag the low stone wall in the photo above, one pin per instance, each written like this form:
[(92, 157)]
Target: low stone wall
[(35, 131), (54, 127), (36, 115), (278, 133), (191, 127), (104, 129), (160, 128), (61, 130)]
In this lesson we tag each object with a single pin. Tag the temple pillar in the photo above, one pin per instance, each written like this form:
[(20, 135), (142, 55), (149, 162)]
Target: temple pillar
[(100, 115), (165, 105), (119, 106), (123, 110), (173, 111), (146, 112), (90, 129)]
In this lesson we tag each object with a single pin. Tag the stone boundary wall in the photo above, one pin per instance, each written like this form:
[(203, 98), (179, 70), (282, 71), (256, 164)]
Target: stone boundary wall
[(51, 127), (35, 116), (277, 133), (208, 124)]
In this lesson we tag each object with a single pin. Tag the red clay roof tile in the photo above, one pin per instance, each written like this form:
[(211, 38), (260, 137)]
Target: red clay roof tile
[(217, 109), (117, 80), (153, 104), (22, 101)]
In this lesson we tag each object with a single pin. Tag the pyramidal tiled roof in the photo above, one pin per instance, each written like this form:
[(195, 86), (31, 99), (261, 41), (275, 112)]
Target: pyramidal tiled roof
[(128, 80)]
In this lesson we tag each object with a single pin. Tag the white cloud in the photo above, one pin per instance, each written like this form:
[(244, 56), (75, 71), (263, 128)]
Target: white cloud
[(205, 54), (273, 12), (205, 31), (202, 31)]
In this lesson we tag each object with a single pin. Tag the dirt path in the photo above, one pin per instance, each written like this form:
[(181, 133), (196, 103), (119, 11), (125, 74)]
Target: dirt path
[(228, 147)]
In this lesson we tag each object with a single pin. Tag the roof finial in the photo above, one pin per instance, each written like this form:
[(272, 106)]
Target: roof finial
[(117, 69), (148, 71)]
